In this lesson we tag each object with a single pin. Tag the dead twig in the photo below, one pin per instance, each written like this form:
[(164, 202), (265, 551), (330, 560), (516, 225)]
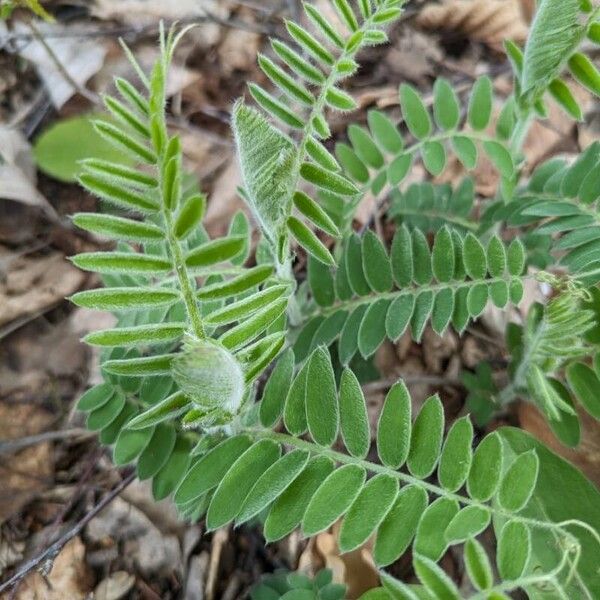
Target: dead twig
[(384, 384), (13, 446), (91, 96), (49, 554)]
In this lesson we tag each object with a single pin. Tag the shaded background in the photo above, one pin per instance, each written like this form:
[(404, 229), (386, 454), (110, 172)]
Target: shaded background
[(53, 472)]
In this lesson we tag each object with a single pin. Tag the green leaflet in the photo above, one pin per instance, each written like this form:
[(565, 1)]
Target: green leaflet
[(294, 412), (208, 472), (455, 462), (309, 241), (276, 389), (157, 452), (430, 539), (354, 422), (376, 264), (367, 511), (467, 523), (480, 104), (272, 483), (385, 133), (446, 109), (169, 408), (125, 298), (400, 525), (514, 549), (266, 157), (134, 336), (215, 251), (365, 148), (238, 481), (434, 157), (585, 72), (478, 565), (130, 444), (321, 399), (169, 476), (95, 397), (434, 579), (426, 439), (118, 228), (321, 282), (105, 413), (586, 386), (486, 468), (394, 427), (518, 482), (288, 510), (415, 114), (333, 498)]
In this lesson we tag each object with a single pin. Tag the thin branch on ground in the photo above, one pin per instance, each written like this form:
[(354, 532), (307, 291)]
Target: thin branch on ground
[(384, 384), (12, 446), (48, 555), (91, 96)]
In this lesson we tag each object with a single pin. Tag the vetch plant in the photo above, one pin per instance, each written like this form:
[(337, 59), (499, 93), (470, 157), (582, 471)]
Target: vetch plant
[(184, 396)]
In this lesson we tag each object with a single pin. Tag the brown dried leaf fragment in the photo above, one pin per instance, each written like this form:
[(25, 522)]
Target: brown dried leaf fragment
[(487, 21)]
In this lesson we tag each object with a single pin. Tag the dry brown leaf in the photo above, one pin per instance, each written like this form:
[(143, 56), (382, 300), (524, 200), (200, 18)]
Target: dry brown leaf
[(70, 577), (487, 21), (31, 285), (27, 472), (18, 173), (148, 12), (115, 586), (238, 50), (556, 133), (224, 201), (80, 57), (11, 551), (355, 569), (527, 8)]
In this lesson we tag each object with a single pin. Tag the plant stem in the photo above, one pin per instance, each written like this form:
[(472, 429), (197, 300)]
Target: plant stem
[(188, 294), (520, 132)]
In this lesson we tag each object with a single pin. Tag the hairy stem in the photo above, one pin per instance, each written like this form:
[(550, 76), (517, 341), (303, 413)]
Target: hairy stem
[(187, 292)]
